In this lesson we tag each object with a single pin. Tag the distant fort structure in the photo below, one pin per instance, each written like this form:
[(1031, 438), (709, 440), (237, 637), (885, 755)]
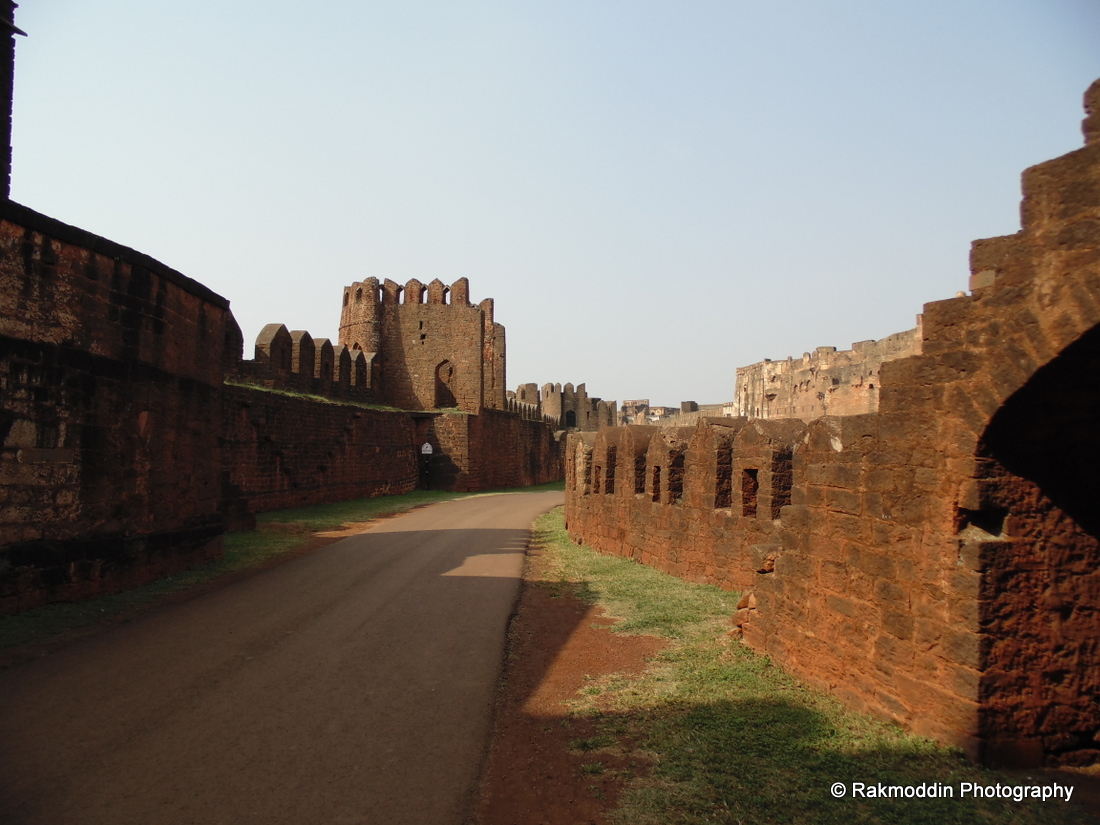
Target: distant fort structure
[(824, 382)]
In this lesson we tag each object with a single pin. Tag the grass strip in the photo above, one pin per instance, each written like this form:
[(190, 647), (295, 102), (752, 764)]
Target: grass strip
[(308, 396), (732, 738), (280, 533), (337, 514)]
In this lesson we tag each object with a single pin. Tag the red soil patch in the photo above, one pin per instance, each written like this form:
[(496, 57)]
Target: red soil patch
[(556, 644)]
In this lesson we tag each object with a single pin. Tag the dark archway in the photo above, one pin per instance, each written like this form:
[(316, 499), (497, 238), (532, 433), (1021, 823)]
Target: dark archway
[(1039, 534), (444, 376), (570, 419)]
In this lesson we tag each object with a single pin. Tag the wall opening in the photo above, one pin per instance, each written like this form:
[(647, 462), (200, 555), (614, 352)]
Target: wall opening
[(782, 479), (750, 487), (444, 376), (639, 475), (609, 484), (570, 419), (723, 473), (676, 478)]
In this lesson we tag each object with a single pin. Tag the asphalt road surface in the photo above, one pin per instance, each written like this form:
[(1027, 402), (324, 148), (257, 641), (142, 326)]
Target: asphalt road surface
[(352, 685)]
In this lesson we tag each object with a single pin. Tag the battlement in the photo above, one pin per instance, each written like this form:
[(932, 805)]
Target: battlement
[(427, 345), (568, 406), (294, 360), (530, 412), (413, 292)]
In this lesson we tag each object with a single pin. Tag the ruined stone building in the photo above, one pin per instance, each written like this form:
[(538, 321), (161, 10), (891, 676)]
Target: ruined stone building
[(633, 411), (134, 432), (640, 412), (824, 382), (935, 560), (570, 406)]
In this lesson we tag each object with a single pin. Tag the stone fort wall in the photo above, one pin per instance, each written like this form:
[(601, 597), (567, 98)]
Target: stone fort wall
[(936, 562), (133, 432), (111, 370), (824, 382), (572, 407), (283, 452)]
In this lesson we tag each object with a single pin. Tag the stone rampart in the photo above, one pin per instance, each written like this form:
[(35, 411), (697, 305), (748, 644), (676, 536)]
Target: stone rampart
[(491, 450), (298, 362), (110, 407), (281, 451), (937, 562), (133, 432)]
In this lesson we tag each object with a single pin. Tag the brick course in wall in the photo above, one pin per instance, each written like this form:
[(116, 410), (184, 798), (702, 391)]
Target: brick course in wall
[(938, 562)]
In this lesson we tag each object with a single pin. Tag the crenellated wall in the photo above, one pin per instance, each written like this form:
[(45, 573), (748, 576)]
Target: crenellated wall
[(428, 346), (938, 562), (570, 407), (133, 432), (296, 361)]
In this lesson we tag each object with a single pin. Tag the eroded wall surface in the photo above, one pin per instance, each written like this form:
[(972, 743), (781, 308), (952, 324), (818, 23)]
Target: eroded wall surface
[(937, 562), (110, 413)]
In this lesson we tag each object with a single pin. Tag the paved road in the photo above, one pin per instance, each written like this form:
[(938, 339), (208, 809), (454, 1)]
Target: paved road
[(353, 685)]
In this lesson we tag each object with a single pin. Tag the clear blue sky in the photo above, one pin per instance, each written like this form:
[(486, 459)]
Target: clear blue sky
[(654, 192)]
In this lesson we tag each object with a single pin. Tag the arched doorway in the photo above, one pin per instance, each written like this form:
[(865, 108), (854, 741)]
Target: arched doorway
[(444, 394)]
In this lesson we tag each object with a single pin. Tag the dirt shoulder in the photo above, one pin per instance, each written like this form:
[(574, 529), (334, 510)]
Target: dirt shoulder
[(542, 768)]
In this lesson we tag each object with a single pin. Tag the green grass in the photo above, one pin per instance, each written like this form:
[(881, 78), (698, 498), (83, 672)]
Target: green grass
[(341, 402), (730, 737), (322, 399), (331, 516), (281, 533)]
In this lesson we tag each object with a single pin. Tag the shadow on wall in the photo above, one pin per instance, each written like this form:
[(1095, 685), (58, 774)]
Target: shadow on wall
[(1049, 432), (442, 472), (1041, 564)]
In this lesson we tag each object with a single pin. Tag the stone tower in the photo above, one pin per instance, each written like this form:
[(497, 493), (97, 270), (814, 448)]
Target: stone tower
[(432, 348)]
